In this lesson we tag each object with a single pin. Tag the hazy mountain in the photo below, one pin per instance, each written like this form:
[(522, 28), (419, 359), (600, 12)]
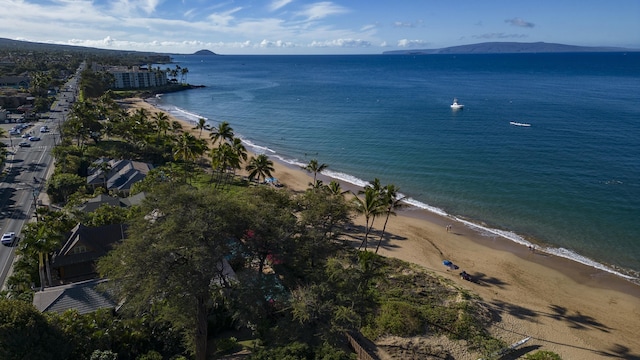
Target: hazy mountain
[(509, 48)]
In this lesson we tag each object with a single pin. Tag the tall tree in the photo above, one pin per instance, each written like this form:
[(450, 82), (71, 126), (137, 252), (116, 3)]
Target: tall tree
[(391, 201), (259, 167), (370, 207), (314, 167), (272, 223), (201, 125), (172, 261), (39, 240), (222, 133)]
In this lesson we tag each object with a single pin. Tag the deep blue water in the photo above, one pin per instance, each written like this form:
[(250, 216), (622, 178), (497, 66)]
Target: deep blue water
[(569, 182)]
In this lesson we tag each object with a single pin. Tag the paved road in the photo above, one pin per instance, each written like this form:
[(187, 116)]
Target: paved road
[(26, 171)]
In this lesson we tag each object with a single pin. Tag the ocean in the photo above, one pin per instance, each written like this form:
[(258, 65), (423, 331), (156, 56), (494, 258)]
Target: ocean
[(568, 183)]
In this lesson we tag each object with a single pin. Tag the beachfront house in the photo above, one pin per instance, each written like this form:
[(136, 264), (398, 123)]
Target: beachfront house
[(117, 175)]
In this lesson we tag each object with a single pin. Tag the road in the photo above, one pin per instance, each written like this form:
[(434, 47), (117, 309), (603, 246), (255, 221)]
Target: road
[(26, 171)]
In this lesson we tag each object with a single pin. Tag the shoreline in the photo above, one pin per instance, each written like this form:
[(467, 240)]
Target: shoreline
[(517, 240), (564, 305)]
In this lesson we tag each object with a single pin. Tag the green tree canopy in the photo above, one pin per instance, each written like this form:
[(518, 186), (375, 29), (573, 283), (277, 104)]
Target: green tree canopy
[(171, 263), (25, 333)]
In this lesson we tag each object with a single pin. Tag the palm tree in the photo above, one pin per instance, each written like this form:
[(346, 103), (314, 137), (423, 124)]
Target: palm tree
[(223, 132), (161, 123), (183, 75), (391, 201), (223, 157), (335, 189), (188, 148), (239, 149), (315, 168), (370, 207), (40, 238), (259, 166), (202, 124)]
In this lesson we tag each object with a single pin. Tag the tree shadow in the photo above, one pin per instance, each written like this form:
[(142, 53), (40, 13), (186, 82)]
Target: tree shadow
[(620, 352), (34, 167), (514, 310), (519, 353), (576, 320), (484, 280)]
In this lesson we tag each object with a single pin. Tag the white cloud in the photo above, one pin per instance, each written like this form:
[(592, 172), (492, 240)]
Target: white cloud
[(278, 4), (321, 10), (277, 44), (411, 43), (223, 18), (520, 23), (368, 27), (350, 43), (400, 24)]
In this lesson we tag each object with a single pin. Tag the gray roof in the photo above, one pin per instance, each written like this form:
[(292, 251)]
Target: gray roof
[(85, 297), (122, 173), (98, 241), (94, 203)]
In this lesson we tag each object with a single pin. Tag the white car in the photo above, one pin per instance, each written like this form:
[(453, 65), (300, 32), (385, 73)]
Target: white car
[(8, 238)]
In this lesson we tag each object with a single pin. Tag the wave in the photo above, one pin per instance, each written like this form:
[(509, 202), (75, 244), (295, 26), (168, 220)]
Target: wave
[(256, 148), (483, 230), (487, 231), (187, 115)]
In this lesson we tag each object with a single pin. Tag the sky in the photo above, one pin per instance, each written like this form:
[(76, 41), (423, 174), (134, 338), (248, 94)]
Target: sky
[(289, 27)]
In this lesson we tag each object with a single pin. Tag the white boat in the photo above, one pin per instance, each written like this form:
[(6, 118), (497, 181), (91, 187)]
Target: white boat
[(519, 124), (456, 106)]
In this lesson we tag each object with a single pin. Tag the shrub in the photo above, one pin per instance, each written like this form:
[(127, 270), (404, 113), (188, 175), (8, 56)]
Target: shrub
[(400, 319), (225, 345), (543, 355)]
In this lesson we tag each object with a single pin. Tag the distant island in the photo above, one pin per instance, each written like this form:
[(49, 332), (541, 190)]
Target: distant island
[(509, 48), (204, 52)]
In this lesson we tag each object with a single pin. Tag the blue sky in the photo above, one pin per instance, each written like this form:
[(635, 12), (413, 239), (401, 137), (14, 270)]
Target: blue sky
[(317, 27)]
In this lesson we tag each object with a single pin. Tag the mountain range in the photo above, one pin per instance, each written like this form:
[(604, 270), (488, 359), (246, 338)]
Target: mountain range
[(509, 48)]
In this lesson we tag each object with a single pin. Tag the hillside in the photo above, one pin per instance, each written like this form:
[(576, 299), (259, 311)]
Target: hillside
[(508, 48), (7, 45)]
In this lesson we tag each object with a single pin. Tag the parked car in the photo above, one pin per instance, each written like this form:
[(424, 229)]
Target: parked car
[(34, 138), (24, 144), (8, 238)]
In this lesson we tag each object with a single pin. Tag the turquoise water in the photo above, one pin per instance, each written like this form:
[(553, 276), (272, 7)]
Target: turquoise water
[(570, 182)]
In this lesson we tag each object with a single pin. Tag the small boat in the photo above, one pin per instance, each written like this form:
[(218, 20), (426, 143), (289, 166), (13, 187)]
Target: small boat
[(519, 124), (456, 106)]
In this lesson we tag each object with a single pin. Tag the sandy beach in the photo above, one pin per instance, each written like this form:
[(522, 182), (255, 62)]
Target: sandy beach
[(574, 310)]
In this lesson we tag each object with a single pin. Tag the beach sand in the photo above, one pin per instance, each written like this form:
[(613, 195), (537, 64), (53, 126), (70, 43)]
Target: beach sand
[(574, 310)]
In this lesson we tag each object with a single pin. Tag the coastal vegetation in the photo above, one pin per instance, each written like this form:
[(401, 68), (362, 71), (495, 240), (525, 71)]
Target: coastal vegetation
[(215, 262)]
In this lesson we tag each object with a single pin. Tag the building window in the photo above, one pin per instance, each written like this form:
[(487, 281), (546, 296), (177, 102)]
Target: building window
[(80, 249)]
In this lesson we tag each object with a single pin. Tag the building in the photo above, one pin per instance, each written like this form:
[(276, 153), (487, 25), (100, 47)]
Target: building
[(84, 297), (134, 77), (117, 175), (75, 261)]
